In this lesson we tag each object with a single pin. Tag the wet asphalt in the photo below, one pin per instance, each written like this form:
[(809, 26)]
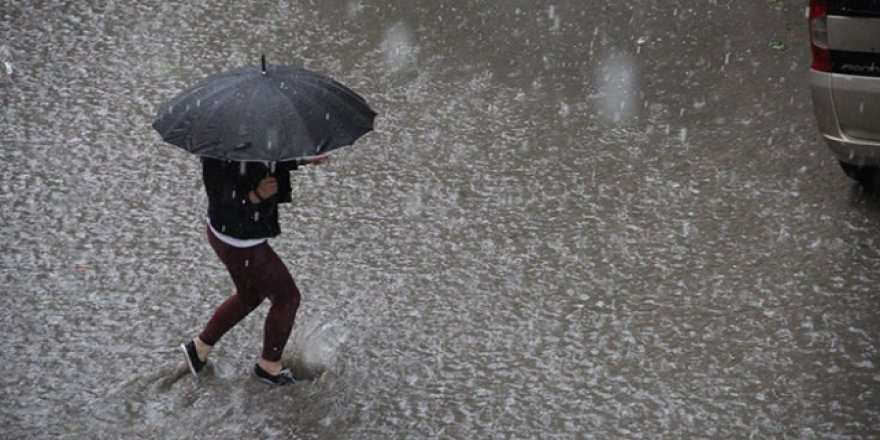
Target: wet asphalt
[(601, 219)]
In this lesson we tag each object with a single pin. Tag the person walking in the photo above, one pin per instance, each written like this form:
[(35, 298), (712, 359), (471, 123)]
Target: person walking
[(251, 126), (243, 199)]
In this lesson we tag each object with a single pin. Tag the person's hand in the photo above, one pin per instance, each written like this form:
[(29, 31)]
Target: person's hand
[(315, 160), (267, 187)]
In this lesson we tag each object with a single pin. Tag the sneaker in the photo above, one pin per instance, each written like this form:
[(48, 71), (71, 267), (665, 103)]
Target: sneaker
[(283, 378), (192, 359)]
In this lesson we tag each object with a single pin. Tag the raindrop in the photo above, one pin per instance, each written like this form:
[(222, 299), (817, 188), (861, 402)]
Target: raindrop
[(397, 45), (327, 116), (354, 7), (683, 135), (271, 137), (242, 168), (552, 15), (257, 216), (247, 263), (564, 110), (618, 88)]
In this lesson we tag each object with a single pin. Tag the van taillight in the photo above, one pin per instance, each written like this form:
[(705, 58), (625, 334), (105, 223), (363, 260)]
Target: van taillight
[(818, 16)]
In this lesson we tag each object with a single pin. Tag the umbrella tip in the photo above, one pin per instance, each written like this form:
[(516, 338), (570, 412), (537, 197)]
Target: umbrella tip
[(263, 62)]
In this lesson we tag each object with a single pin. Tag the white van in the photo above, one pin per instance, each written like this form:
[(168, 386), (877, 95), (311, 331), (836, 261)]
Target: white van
[(845, 82)]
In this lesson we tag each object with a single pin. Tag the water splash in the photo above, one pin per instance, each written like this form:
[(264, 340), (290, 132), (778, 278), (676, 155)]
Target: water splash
[(317, 346)]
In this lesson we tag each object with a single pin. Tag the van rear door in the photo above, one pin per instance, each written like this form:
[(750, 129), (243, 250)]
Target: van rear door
[(854, 41)]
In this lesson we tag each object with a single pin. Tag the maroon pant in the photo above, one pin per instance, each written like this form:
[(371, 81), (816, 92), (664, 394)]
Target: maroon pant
[(258, 273)]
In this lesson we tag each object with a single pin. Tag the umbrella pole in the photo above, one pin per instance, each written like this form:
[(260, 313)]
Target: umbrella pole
[(263, 62)]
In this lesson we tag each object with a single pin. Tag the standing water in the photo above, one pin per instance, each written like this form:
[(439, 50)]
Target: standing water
[(569, 223)]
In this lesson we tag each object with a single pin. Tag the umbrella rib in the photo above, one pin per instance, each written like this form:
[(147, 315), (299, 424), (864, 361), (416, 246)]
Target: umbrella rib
[(338, 91), (185, 96), (198, 122), (302, 122), (341, 92), (343, 103), (336, 98)]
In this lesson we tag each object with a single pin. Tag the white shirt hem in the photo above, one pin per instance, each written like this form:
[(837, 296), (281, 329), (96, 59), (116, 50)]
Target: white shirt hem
[(236, 242)]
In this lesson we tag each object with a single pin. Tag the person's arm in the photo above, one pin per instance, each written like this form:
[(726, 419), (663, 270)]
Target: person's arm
[(314, 160), (293, 165)]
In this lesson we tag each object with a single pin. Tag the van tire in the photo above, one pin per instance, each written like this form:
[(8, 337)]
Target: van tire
[(868, 177)]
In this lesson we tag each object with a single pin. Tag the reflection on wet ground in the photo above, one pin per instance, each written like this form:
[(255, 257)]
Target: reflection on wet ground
[(602, 221)]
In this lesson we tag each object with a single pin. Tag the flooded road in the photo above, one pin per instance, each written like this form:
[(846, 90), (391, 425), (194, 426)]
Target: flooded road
[(600, 219)]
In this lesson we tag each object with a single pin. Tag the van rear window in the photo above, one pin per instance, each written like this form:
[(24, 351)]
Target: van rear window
[(854, 8)]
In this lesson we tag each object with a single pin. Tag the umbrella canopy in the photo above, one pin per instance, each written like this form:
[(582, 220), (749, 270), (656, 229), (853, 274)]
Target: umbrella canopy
[(273, 114)]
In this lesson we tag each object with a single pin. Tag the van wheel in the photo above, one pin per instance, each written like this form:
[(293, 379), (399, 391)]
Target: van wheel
[(868, 177)]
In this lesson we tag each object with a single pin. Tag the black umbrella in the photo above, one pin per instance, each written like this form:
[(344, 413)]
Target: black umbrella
[(274, 113)]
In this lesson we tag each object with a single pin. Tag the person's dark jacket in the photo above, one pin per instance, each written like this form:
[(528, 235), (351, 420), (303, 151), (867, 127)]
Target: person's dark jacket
[(230, 211)]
